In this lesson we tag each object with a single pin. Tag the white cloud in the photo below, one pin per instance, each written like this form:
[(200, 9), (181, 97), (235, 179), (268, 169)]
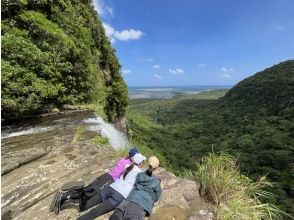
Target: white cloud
[(123, 35), (157, 76), (126, 71), (102, 8), (176, 71), (126, 35), (201, 65), (156, 66), (109, 32), (226, 72)]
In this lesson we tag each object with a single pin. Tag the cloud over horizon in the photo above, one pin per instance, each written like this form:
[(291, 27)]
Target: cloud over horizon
[(226, 72), (177, 71), (158, 76)]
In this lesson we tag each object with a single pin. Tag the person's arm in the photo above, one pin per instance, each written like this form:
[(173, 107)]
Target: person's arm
[(158, 192), (120, 166), (118, 169), (116, 164)]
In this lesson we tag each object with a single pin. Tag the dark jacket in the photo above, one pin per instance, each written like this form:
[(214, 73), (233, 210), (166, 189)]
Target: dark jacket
[(146, 191)]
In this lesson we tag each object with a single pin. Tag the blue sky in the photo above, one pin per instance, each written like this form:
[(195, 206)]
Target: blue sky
[(197, 42)]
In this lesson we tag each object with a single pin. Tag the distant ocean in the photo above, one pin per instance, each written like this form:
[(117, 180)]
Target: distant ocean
[(169, 92)]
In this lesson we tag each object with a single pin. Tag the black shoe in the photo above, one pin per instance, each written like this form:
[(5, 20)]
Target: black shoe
[(82, 203)]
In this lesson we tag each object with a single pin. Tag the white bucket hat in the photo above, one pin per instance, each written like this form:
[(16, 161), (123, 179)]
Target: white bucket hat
[(138, 158)]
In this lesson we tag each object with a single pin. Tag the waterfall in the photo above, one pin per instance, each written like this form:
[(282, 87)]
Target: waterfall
[(91, 121), (117, 139)]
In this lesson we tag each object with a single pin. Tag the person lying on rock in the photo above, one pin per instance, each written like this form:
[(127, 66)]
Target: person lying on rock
[(115, 193), (141, 199), (98, 184)]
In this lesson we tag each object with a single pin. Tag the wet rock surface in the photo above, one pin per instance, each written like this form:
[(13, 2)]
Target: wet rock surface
[(71, 154), (122, 125)]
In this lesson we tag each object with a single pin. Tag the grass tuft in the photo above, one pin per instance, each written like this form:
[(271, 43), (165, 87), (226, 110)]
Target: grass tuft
[(234, 195), (99, 140)]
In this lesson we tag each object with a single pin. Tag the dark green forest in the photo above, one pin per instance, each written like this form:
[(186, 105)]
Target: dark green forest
[(56, 53), (254, 122)]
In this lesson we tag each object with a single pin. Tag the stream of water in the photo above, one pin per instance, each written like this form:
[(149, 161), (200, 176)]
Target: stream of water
[(34, 136)]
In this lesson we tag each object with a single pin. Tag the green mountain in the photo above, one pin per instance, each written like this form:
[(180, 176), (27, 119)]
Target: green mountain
[(56, 53), (254, 122), (271, 89)]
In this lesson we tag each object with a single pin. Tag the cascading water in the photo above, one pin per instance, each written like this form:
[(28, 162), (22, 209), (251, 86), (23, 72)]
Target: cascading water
[(28, 131), (30, 139), (116, 138), (93, 123)]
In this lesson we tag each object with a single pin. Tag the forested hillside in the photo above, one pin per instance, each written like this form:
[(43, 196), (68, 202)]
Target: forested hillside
[(56, 53), (270, 90), (254, 122)]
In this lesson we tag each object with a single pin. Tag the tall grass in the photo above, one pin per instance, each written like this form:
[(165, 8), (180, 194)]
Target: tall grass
[(234, 195)]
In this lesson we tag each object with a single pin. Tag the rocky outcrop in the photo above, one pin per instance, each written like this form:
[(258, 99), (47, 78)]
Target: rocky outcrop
[(180, 199), (28, 196)]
